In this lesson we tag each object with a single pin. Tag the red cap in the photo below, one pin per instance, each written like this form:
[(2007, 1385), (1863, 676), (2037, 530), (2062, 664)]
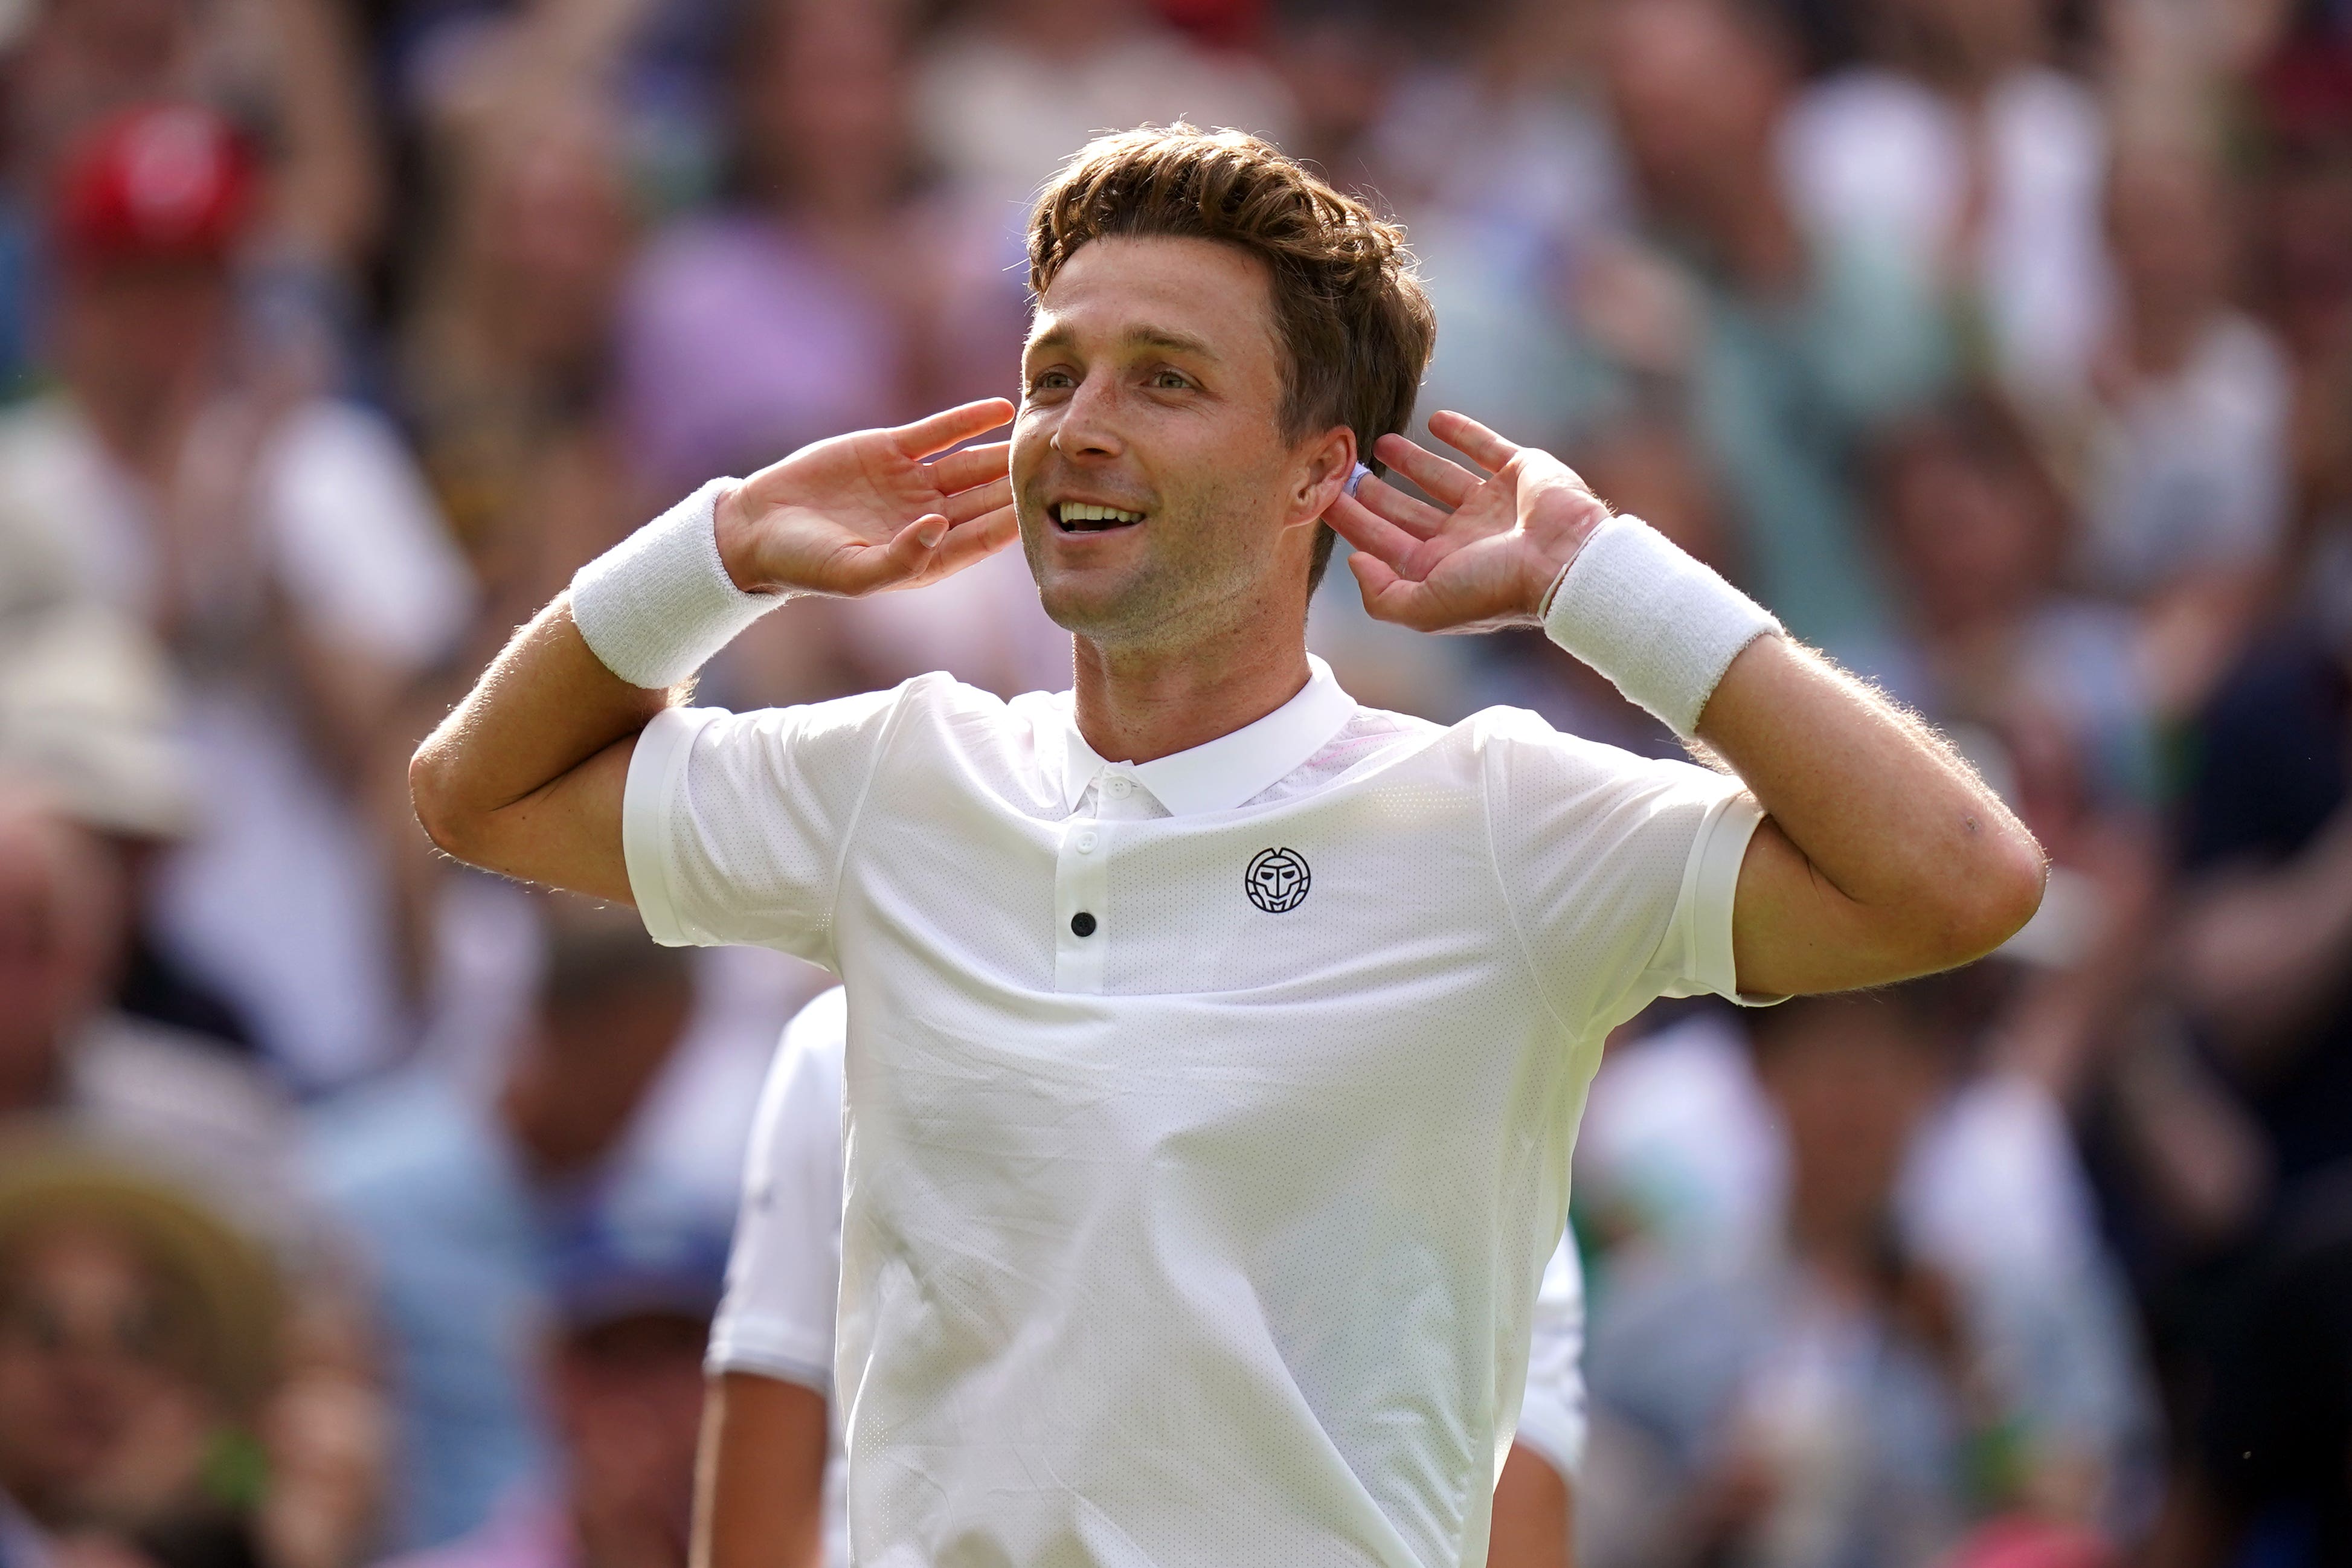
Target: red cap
[(157, 181)]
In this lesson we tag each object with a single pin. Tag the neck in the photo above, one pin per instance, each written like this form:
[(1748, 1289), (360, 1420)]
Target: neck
[(1137, 705)]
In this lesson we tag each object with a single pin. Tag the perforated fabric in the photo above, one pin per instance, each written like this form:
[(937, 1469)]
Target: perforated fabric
[(1212, 1235), (785, 1268)]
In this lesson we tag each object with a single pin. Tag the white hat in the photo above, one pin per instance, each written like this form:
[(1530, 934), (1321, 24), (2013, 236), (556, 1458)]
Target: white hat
[(86, 717)]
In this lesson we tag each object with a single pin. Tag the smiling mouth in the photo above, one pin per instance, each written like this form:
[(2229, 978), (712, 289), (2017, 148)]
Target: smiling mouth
[(1086, 516)]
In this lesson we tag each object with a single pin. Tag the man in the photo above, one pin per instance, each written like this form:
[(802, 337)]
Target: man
[(1209, 1110), (453, 1199), (279, 544), (629, 1308), (770, 1461), (142, 1335)]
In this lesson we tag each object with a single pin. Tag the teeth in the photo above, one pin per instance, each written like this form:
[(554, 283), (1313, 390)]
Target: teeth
[(1086, 511)]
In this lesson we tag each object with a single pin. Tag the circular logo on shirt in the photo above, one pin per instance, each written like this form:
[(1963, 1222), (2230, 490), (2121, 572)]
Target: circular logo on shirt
[(1278, 880)]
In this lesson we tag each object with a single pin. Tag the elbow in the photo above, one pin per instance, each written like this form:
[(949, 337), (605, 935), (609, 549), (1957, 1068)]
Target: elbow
[(1996, 893), (432, 797)]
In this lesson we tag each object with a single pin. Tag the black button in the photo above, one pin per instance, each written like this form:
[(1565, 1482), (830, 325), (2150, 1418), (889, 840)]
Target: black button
[(1082, 924)]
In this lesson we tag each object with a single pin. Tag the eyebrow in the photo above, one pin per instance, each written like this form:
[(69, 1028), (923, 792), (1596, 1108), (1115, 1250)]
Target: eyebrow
[(1139, 337)]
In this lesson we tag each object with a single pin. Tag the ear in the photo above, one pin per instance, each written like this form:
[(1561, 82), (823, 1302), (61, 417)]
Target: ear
[(1326, 463)]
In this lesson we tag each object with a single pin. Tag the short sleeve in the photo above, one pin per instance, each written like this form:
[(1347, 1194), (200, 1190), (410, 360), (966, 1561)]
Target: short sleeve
[(1552, 1418), (1619, 871), (733, 827), (783, 1277)]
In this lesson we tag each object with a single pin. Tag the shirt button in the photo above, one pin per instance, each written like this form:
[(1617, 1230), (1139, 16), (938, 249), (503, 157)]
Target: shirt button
[(1082, 924), (1086, 843), (1119, 788)]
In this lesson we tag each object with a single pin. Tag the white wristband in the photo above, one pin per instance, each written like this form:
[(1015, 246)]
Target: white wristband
[(656, 606), (1659, 625)]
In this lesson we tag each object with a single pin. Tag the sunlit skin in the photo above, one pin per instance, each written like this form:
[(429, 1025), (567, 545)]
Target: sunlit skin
[(1153, 382)]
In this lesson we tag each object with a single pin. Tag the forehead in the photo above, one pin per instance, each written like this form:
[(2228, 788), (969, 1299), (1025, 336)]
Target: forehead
[(1112, 288)]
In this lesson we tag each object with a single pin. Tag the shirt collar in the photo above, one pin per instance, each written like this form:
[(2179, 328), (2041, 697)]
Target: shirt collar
[(1219, 774)]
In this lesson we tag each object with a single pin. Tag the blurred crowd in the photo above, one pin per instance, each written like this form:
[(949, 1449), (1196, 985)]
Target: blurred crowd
[(354, 1207)]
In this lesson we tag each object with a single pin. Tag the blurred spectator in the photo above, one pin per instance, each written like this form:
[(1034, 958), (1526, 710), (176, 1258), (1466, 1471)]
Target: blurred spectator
[(1003, 99), (623, 1360), (161, 1097), (144, 1418), (287, 69), (507, 373), (1978, 532), (1962, 145), (2186, 505), (2265, 950), (453, 1202), (283, 546), (1723, 274), (2266, 942), (831, 294), (1870, 1380), (1783, 349), (779, 320)]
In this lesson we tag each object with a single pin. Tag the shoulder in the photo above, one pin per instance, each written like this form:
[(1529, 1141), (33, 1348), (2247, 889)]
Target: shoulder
[(1514, 738), (1865, 97), (2240, 351), (333, 435), (129, 1062), (42, 429), (936, 699), (2056, 110)]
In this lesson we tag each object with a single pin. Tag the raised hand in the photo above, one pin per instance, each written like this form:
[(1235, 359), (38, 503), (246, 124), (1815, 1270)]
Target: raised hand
[(1482, 558), (863, 513)]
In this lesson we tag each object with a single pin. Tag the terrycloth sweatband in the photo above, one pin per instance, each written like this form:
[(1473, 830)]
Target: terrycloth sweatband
[(656, 606), (1659, 625)]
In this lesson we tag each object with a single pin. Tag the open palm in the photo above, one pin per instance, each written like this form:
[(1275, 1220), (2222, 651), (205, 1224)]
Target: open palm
[(1485, 555), (863, 513)]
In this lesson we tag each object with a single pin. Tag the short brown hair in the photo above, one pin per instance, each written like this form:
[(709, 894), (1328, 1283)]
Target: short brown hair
[(1356, 328)]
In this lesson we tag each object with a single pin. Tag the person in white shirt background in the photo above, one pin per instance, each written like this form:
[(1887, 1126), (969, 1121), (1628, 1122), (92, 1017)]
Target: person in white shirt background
[(774, 1484), (1214, 1045)]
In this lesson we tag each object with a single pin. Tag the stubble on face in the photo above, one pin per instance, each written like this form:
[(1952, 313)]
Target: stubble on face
[(1194, 569), (1206, 464)]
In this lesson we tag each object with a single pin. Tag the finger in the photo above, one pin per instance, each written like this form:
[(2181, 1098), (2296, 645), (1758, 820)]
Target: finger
[(964, 505), (976, 541), (1472, 439), (1388, 596), (1451, 483), (1367, 530), (909, 550), (945, 429), (973, 465), (1410, 512)]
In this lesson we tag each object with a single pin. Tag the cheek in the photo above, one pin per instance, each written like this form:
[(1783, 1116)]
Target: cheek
[(1033, 435)]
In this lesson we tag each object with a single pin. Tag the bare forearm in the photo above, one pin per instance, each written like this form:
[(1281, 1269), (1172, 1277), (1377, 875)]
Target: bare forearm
[(1532, 1512), (760, 1485), (1910, 863), (539, 747)]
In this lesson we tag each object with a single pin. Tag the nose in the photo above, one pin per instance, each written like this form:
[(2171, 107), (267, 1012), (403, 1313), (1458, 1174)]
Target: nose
[(1088, 428)]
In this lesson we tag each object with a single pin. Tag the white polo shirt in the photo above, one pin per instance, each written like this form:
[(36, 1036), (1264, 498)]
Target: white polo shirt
[(783, 1273), (1208, 1120)]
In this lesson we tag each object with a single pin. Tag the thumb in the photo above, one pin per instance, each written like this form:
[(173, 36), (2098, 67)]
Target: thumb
[(908, 552), (1374, 577)]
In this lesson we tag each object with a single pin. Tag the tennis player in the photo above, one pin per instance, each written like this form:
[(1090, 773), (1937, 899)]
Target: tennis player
[(770, 1485), (1215, 1045)]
